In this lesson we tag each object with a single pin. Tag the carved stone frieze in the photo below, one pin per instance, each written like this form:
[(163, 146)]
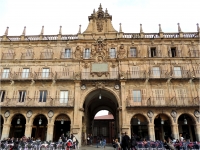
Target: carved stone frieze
[(99, 74), (121, 52), (86, 65), (99, 85), (78, 53), (99, 49)]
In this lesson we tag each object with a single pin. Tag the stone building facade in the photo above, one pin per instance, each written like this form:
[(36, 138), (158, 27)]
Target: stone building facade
[(53, 84)]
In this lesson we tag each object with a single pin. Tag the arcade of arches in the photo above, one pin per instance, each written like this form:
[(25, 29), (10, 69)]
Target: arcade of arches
[(150, 124)]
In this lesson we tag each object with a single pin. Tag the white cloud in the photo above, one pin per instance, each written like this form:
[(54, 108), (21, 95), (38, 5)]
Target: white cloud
[(70, 14)]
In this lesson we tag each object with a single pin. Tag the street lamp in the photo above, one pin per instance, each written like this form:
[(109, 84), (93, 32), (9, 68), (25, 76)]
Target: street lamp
[(18, 120), (40, 121), (100, 95), (62, 121), (185, 120), (138, 121), (162, 121)]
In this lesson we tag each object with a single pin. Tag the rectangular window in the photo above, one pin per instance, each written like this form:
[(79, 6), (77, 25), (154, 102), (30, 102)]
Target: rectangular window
[(135, 72), (136, 95), (156, 72), (181, 96), (133, 52), (112, 53), (22, 95), (63, 96), (173, 52), (45, 72), (67, 53), (87, 53), (25, 73), (2, 95), (177, 71), (43, 96), (5, 74), (153, 52)]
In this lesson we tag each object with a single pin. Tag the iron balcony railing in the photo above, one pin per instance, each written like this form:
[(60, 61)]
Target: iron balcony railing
[(178, 74), (36, 102), (158, 74), (195, 74), (136, 74), (162, 101), (66, 55), (43, 75), (64, 75), (194, 53), (8, 56), (46, 55), (5, 76), (23, 76), (112, 75), (27, 55)]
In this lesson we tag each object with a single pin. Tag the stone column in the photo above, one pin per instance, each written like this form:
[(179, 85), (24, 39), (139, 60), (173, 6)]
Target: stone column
[(197, 131), (28, 130), (5, 130), (175, 132), (151, 132), (50, 129)]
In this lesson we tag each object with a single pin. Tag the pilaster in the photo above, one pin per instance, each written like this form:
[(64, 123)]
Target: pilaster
[(50, 129), (5, 130), (175, 132), (197, 131), (28, 130), (151, 132)]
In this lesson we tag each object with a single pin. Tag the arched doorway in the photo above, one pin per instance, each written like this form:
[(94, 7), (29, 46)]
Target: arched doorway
[(100, 99), (186, 127), (17, 128), (62, 125), (1, 128), (39, 129), (162, 127), (139, 126)]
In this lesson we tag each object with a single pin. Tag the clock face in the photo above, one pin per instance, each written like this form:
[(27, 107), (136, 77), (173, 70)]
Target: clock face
[(50, 113), (7, 114), (83, 87), (197, 113), (117, 87), (29, 114)]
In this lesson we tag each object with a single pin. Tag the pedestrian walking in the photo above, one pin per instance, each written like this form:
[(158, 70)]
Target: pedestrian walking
[(125, 142)]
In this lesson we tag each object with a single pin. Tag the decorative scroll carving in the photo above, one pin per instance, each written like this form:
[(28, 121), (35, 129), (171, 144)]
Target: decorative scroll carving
[(99, 74)]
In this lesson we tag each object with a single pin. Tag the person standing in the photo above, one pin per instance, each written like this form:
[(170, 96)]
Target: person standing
[(133, 141), (91, 139), (125, 142), (104, 142)]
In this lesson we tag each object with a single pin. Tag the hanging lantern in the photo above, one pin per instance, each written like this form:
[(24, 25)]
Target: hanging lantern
[(185, 121), (162, 121), (18, 121), (40, 121), (62, 121), (138, 121)]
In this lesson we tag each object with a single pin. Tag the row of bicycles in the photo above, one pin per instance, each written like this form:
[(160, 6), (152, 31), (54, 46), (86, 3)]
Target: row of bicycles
[(38, 145)]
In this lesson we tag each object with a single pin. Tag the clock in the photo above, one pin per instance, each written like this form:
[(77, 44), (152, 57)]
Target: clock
[(117, 87), (7, 114), (29, 113), (197, 113), (50, 113)]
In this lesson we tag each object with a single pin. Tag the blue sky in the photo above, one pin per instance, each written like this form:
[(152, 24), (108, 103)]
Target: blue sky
[(70, 14)]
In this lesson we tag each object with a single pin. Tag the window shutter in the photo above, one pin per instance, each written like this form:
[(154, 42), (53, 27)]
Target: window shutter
[(149, 51), (169, 51)]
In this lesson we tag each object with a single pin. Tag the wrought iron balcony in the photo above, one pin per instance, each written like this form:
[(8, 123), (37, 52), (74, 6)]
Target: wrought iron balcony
[(27, 55), (112, 75), (35, 102), (5, 76), (162, 101), (46, 55), (195, 74), (23, 76), (8, 56), (194, 53), (64, 75), (136, 74), (43, 75), (180, 74), (66, 55), (158, 74)]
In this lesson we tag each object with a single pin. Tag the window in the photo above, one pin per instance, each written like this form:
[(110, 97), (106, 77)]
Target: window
[(25, 73), (156, 72), (22, 95), (136, 95), (5, 73), (63, 96), (43, 96), (173, 52), (2, 95), (87, 53), (153, 52), (45, 72), (112, 53), (181, 96), (67, 53), (135, 72), (133, 52), (158, 95), (177, 71)]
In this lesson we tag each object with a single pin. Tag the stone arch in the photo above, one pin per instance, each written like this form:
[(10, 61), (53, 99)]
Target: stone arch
[(141, 114), (189, 114), (32, 118), (56, 116), (168, 115)]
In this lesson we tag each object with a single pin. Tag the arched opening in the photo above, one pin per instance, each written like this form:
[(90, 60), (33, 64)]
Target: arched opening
[(96, 101), (62, 125), (139, 126), (186, 127), (17, 128), (162, 127), (1, 128), (39, 129)]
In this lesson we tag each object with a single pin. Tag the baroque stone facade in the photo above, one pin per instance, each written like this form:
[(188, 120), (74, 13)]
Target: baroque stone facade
[(148, 81)]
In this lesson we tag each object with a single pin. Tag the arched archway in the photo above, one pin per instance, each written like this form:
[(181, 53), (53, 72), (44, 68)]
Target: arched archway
[(139, 126), (17, 128), (100, 99), (1, 128), (62, 125), (39, 129), (186, 127)]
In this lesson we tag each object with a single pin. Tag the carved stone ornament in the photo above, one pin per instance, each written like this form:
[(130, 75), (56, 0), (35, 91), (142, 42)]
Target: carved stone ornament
[(99, 74), (99, 85), (121, 52), (174, 114), (7, 114), (50, 114), (150, 114), (83, 87), (78, 53), (29, 113), (100, 17), (197, 113), (99, 48), (86, 65), (117, 87)]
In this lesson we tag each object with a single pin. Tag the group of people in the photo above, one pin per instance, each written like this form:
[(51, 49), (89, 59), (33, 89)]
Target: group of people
[(71, 141)]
